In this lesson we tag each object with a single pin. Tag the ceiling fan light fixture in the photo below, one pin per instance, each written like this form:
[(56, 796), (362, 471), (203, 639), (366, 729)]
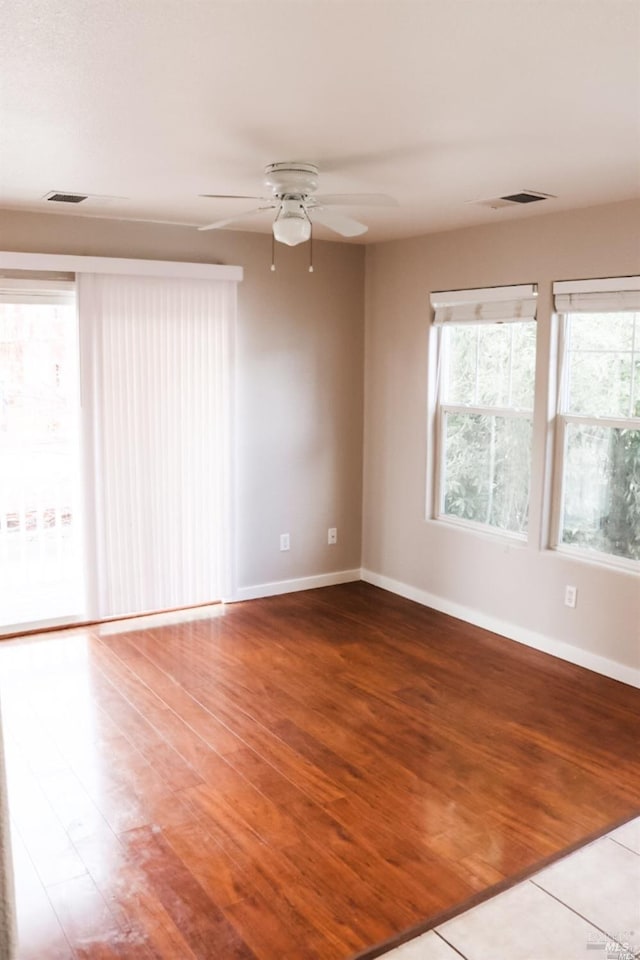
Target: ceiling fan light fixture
[(292, 225)]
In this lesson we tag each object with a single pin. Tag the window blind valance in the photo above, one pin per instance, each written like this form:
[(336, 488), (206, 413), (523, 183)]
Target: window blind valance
[(486, 305), (611, 295), (62, 262)]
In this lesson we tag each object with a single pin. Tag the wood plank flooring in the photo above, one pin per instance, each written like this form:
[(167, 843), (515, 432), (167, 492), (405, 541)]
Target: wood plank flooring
[(296, 778)]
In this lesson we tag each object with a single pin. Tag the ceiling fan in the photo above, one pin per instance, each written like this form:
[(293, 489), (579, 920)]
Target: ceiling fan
[(297, 206)]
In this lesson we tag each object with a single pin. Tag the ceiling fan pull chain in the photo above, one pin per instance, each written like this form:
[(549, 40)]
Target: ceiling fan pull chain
[(273, 253), (310, 244)]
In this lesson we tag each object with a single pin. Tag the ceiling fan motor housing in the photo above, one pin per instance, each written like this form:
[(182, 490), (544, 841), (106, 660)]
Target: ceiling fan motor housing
[(291, 180)]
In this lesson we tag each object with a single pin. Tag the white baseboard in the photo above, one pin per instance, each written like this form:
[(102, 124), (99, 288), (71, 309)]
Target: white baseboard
[(292, 586), (557, 648)]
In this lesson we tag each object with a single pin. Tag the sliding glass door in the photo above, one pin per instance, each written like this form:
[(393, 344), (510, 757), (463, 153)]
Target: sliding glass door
[(120, 505), (41, 570)]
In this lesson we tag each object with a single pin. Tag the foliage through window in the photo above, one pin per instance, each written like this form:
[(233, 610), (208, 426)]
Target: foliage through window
[(487, 374), (600, 433)]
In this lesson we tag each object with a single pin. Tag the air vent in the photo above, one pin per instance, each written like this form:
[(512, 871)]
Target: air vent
[(513, 199), (525, 197), (66, 197)]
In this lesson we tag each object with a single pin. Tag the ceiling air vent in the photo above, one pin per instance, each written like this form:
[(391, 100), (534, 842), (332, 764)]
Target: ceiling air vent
[(513, 199), (525, 197), (65, 197)]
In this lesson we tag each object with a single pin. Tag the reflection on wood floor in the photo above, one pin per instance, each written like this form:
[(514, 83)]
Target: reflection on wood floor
[(298, 777)]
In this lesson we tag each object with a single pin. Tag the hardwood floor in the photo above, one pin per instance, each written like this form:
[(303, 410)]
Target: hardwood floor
[(299, 777)]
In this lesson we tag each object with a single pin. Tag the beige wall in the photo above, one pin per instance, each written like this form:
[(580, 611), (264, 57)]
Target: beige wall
[(299, 380), (520, 585), (299, 407)]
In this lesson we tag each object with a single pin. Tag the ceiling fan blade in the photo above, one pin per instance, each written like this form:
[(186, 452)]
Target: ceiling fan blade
[(229, 196), (345, 226), (355, 200), (240, 216)]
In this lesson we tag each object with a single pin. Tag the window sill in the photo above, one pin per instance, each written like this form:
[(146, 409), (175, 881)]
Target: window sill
[(596, 559), (481, 530)]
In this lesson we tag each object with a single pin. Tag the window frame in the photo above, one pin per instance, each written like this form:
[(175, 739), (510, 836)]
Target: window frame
[(562, 420), (464, 523), (442, 409)]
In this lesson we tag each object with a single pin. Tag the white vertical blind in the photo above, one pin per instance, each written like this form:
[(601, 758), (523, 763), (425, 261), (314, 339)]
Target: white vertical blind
[(155, 357)]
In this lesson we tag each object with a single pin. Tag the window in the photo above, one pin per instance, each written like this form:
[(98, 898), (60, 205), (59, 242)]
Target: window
[(486, 367), (598, 451), (40, 525)]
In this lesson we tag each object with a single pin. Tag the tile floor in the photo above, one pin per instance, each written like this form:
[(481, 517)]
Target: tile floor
[(584, 907)]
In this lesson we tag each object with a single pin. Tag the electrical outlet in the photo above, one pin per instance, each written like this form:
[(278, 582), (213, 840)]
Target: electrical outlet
[(332, 535), (570, 596), (285, 543)]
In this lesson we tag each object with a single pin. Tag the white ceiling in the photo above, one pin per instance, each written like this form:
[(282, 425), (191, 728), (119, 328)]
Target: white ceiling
[(437, 102)]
